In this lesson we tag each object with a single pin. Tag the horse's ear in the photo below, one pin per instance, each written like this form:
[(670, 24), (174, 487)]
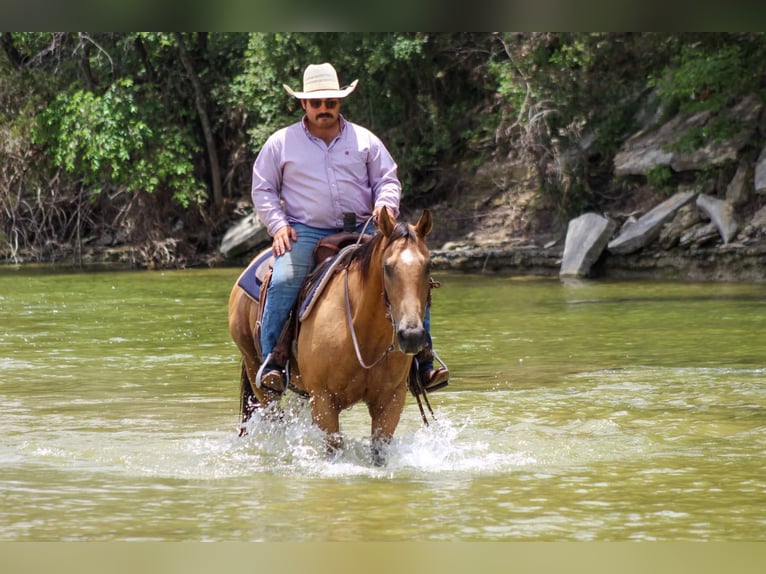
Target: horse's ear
[(385, 224), (424, 224)]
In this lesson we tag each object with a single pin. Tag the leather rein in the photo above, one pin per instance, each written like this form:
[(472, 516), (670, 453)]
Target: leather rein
[(350, 320)]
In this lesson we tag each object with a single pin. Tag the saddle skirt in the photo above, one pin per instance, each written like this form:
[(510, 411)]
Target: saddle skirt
[(330, 255)]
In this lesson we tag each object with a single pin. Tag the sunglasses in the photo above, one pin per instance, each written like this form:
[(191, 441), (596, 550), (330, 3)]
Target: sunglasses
[(329, 104)]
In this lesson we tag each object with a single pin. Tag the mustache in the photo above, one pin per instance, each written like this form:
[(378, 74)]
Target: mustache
[(325, 115)]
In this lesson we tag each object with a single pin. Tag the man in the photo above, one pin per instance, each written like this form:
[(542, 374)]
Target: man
[(312, 179)]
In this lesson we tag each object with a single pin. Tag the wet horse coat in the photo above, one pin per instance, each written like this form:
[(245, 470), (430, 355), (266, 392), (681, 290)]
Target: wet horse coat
[(358, 342)]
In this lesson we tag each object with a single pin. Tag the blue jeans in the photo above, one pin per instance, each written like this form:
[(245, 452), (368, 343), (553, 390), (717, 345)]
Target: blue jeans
[(290, 269)]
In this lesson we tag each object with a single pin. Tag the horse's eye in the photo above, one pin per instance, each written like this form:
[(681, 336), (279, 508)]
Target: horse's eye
[(388, 269)]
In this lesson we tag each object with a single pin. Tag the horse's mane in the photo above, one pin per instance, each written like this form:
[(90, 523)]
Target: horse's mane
[(364, 253)]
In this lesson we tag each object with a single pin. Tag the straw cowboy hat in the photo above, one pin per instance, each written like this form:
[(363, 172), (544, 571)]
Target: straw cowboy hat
[(321, 81)]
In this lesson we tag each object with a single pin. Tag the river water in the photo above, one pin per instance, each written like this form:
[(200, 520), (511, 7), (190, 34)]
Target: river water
[(577, 411)]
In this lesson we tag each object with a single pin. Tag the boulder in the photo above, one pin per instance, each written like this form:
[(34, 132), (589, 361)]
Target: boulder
[(686, 217), (738, 191), (760, 173), (244, 236), (759, 219), (644, 151), (698, 234), (587, 236), (648, 226), (721, 213)]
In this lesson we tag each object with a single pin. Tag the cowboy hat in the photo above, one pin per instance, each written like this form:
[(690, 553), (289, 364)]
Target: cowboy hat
[(321, 81)]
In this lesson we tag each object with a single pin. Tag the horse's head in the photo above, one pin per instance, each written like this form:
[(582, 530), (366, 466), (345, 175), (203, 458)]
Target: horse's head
[(406, 278)]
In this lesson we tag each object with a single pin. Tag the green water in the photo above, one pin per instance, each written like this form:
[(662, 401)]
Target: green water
[(576, 411)]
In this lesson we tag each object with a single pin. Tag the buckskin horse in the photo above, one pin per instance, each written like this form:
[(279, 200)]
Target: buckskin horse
[(357, 342)]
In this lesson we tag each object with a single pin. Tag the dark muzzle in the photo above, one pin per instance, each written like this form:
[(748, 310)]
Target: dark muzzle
[(411, 338)]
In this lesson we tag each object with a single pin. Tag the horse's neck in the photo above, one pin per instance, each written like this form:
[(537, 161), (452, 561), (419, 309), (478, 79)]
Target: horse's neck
[(366, 293)]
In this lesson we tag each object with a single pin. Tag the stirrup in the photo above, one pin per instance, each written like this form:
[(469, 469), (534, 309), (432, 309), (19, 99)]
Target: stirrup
[(275, 378), (438, 380), (427, 385)]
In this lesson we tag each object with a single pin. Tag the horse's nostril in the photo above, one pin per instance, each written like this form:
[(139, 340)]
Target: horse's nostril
[(411, 340)]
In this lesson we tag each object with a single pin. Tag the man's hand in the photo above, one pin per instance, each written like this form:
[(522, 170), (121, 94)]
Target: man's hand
[(282, 240)]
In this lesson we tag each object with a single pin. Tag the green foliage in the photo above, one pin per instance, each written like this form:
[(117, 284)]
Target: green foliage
[(718, 129), (413, 90), (113, 112), (659, 176), (705, 78), (107, 140)]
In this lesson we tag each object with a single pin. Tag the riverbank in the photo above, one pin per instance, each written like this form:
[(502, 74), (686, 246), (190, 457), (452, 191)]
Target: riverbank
[(490, 253), (725, 263)]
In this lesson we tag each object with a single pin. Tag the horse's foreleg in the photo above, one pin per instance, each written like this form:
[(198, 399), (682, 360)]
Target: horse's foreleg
[(248, 401), (385, 418), (326, 416)]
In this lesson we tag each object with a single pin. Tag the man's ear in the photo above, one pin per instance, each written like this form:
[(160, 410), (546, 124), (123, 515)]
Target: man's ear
[(303, 104)]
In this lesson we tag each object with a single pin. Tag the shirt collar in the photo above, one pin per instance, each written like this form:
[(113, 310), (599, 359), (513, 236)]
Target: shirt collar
[(341, 119)]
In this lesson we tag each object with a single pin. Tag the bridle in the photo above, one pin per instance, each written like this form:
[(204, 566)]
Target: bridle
[(350, 321)]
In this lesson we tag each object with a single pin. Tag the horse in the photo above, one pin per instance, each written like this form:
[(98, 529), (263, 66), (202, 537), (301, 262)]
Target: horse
[(358, 342)]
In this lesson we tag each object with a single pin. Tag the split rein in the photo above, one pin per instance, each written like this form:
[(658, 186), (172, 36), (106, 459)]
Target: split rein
[(350, 320)]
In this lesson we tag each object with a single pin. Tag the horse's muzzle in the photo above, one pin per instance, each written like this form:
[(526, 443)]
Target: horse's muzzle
[(411, 338)]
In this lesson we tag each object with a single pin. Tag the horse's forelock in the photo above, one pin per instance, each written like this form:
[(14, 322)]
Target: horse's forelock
[(364, 253)]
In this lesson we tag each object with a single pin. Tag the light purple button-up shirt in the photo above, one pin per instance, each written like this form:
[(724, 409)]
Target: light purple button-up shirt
[(317, 183)]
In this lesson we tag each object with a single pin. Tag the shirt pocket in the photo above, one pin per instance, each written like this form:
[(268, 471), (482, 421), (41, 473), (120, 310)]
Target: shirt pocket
[(354, 165)]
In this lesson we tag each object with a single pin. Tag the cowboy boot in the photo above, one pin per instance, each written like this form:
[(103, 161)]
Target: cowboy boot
[(272, 376), (431, 378)]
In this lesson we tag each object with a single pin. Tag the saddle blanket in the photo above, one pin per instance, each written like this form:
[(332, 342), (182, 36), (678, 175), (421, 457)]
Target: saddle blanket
[(253, 277)]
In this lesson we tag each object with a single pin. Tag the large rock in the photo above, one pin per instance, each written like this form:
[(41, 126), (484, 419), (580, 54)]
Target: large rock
[(244, 236), (759, 219), (648, 226), (653, 148), (721, 213), (645, 151), (738, 192), (760, 173), (587, 236), (698, 234), (685, 218)]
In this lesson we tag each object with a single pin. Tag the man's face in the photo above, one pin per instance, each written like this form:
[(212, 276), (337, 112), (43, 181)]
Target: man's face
[(322, 113)]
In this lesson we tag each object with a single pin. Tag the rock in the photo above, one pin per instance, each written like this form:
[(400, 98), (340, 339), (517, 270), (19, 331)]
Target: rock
[(738, 190), (721, 213), (648, 226), (760, 173), (670, 234), (698, 234), (643, 152), (245, 235), (587, 236), (653, 148), (759, 219), (744, 113)]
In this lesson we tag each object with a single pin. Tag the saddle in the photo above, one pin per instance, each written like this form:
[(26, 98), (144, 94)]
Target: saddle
[(326, 264)]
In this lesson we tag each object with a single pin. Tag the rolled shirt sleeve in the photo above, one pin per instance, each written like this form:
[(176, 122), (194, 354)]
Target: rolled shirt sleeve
[(386, 188)]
